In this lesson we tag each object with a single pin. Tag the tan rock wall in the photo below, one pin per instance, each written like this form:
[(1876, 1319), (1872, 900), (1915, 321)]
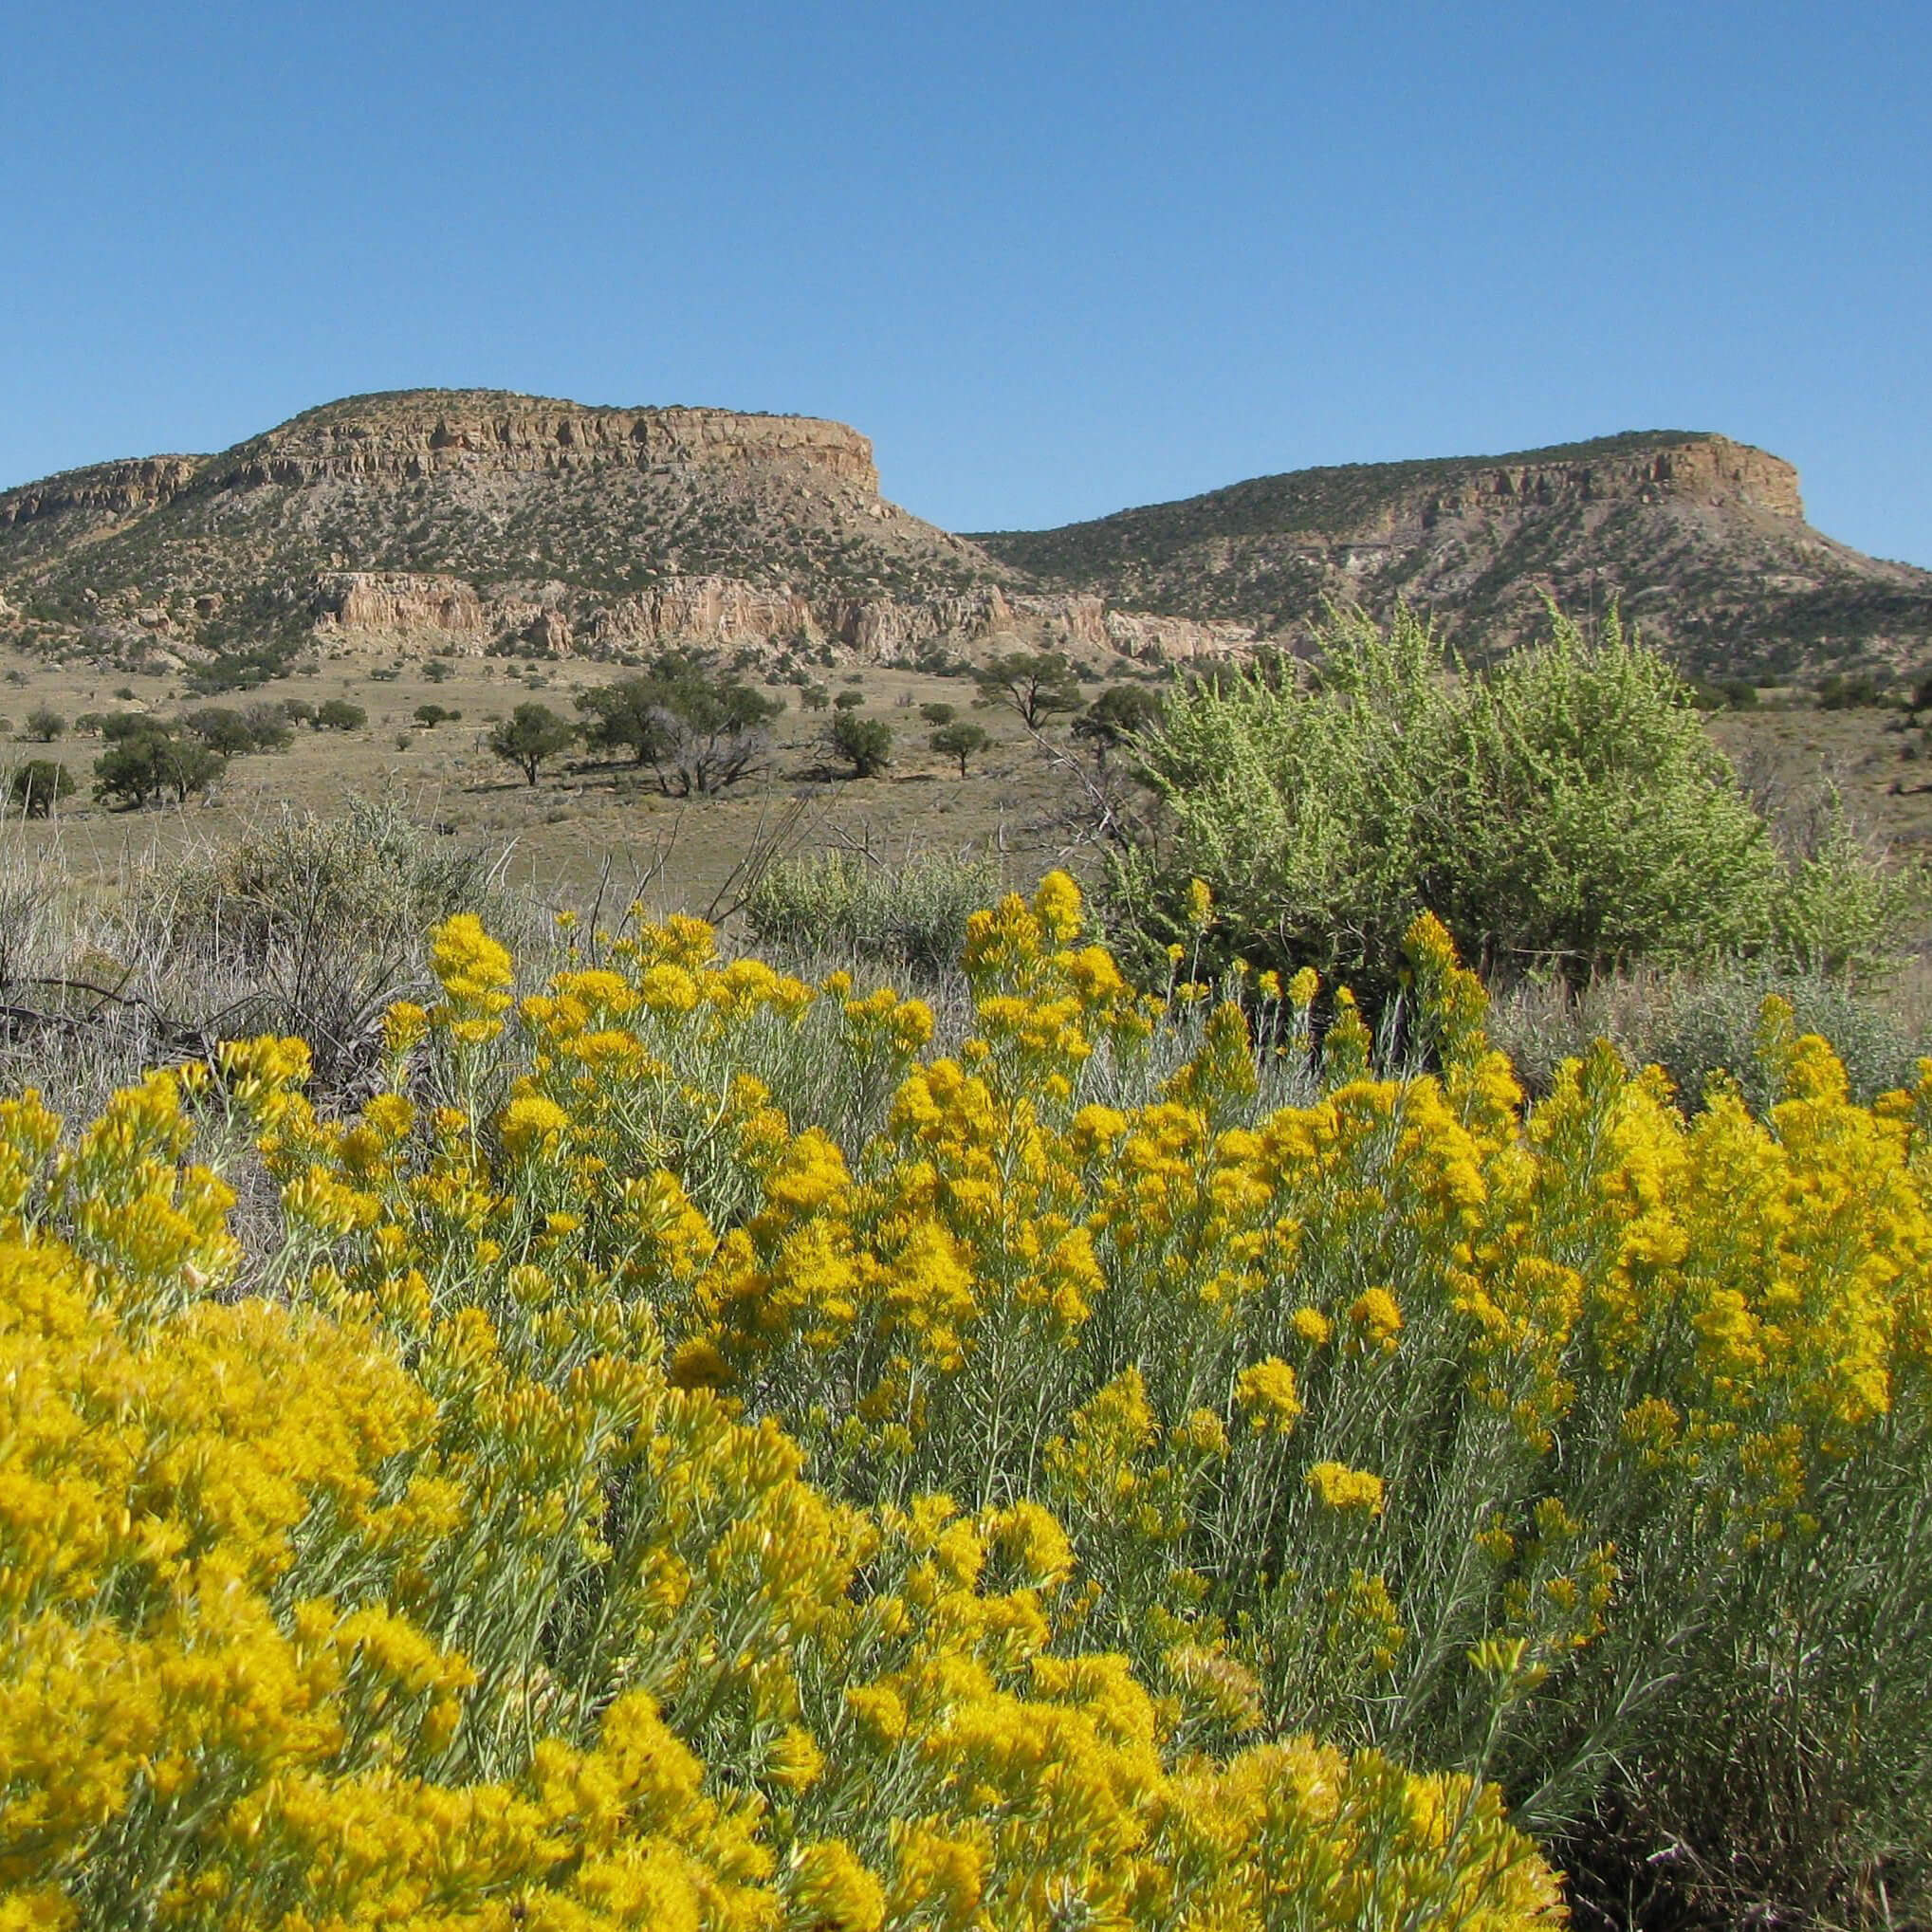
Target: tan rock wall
[(115, 489), (428, 435)]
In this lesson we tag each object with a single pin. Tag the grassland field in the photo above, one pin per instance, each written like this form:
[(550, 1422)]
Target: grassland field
[(587, 823)]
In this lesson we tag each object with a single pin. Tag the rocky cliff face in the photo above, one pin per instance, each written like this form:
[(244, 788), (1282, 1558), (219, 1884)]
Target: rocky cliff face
[(111, 490), (423, 433), (1708, 470), (380, 612)]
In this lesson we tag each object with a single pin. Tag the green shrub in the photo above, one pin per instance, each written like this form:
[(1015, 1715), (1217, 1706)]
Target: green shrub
[(1040, 685), (530, 736), (700, 731), (1565, 808), (959, 741), (155, 760), (865, 743)]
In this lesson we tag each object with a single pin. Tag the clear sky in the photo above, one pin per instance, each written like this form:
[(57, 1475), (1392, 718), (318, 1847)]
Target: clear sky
[(1054, 259)]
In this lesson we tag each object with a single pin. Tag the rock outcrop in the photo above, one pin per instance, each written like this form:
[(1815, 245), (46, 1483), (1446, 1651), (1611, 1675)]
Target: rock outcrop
[(387, 605), (377, 611), (110, 489), (420, 434)]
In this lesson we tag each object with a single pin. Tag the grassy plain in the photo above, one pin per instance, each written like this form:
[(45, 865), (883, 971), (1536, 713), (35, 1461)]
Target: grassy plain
[(582, 816), (586, 823)]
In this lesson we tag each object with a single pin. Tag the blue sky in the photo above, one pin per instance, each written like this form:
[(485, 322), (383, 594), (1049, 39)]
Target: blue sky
[(1054, 259)]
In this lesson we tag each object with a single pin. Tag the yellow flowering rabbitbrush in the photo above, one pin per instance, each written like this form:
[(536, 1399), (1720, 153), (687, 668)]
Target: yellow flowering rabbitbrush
[(698, 1453)]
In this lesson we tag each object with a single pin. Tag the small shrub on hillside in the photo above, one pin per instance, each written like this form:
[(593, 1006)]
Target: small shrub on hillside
[(1120, 714), (155, 760), (1039, 686), (222, 730), (700, 731), (961, 741), (1851, 692), (529, 737)]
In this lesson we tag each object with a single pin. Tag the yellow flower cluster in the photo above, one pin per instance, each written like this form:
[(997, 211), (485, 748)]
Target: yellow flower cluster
[(422, 1595), (618, 1502)]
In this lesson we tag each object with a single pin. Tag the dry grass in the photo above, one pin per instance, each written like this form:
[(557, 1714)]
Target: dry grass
[(579, 828)]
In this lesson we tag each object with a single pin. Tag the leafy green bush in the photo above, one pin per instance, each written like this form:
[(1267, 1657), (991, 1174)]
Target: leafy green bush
[(865, 743), (155, 760), (1038, 685), (1564, 807), (700, 731), (961, 741)]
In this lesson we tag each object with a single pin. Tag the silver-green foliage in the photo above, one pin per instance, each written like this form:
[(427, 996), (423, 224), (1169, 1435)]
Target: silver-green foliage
[(846, 903), (1564, 806)]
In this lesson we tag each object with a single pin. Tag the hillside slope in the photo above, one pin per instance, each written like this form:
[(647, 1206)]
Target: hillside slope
[(1702, 540), (475, 520)]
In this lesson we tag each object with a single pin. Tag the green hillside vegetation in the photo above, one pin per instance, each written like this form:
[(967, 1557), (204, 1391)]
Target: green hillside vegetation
[(1332, 501)]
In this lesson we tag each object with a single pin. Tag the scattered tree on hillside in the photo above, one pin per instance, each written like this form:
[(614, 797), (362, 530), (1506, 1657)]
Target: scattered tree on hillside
[(339, 714), (44, 724), (1117, 715), (848, 701), (34, 788), (939, 713), (154, 761), (961, 741), (1038, 685), (269, 725), (865, 743), (530, 735), (701, 731), (221, 730)]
